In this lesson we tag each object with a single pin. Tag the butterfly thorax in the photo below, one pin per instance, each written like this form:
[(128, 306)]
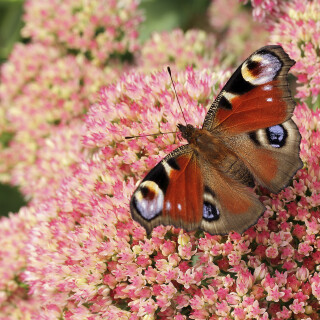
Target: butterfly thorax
[(206, 143)]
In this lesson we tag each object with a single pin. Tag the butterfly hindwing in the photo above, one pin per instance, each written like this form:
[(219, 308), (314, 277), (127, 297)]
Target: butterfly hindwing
[(271, 154), (171, 193), (229, 203)]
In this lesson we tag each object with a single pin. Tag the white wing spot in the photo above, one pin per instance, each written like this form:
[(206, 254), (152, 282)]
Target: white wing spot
[(267, 87), (179, 206), (269, 99), (229, 96), (167, 168), (168, 205)]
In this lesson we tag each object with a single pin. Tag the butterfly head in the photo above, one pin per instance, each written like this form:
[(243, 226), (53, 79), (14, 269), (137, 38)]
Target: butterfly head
[(187, 131)]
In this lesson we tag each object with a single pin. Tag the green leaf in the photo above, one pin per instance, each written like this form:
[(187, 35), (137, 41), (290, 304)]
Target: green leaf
[(165, 15), (11, 199), (10, 25), (5, 138)]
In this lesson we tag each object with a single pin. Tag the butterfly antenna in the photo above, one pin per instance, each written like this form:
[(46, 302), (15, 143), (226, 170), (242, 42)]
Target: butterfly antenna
[(174, 88), (148, 135)]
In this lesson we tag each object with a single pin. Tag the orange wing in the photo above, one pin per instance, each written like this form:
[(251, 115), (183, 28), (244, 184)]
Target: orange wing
[(171, 193), (256, 96), (235, 206)]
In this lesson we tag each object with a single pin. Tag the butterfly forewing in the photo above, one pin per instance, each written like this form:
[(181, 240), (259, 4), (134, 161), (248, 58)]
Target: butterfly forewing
[(256, 96), (172, 193)]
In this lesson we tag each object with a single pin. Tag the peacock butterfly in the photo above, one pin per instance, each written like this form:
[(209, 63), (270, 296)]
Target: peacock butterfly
[(247, 136)]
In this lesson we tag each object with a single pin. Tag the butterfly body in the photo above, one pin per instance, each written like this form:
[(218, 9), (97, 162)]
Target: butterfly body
[(247, 136), (204, 143)]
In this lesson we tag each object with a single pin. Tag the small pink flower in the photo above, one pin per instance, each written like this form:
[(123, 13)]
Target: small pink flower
[(182, 301), (284, 313), (272, 252), (222, 309), (274, 294), (233, 298), (304, 248), (186, 278), (293, 283), (239, 313), (168, 248), (299, 231), (297, 307), (302, 273)]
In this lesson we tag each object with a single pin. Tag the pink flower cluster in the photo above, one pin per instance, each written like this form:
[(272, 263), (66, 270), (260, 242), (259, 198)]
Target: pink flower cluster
[(267, 10), (87, 258), (298, 31), (237, 34), (100, 30), (194, 48), (75, 252), (47, 86), (51, 90)]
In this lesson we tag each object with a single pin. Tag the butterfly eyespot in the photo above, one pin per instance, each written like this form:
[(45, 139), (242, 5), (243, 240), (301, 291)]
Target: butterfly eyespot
[(277, 136), (147, 193), (148, 200), (210, 212), (261, 68)]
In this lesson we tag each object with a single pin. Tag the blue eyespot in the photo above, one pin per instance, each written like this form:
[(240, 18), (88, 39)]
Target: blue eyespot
[(210, 212), (277, 136)]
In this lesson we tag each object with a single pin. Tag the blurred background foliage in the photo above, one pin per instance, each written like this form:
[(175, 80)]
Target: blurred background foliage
[(10, 25), (160, 15)]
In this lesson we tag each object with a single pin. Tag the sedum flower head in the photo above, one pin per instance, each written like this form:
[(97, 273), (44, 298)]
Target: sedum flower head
[(298, 31), (236, 32), (193, 48), (87, 257), (50, 82), (267, 11), (101, 30), (42, 91)]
